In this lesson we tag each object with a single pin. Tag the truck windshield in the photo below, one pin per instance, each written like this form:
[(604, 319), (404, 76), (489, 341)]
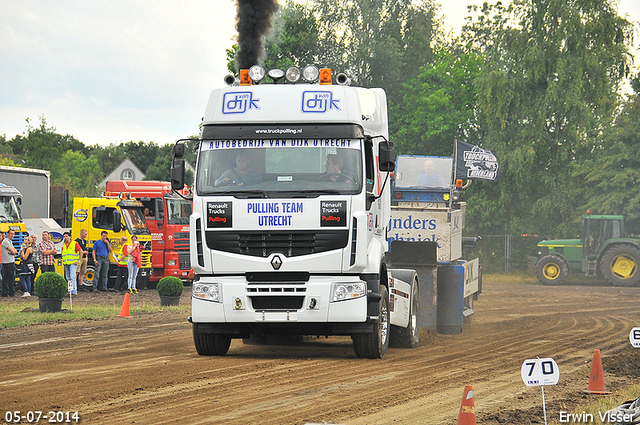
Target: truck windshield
[(283, 167), (135, 222), (9, 210), (424, 171), (179, 211)]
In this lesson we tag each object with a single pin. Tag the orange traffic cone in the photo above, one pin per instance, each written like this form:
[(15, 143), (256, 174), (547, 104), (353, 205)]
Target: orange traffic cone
[(596, 381), (467, 415), (124, 312)]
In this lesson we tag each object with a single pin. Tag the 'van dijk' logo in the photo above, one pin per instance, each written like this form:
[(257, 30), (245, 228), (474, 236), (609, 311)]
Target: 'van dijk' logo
[(276, 262), (238, 102)]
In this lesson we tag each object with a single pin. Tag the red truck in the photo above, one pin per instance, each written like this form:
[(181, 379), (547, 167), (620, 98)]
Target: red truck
[(168, 220)]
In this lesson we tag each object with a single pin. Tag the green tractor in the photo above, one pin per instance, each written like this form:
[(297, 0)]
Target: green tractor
[(602, 251)]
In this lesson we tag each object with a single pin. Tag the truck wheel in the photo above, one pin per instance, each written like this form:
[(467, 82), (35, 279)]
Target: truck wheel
[(409, 337), (210, 344), (142, 282), (89, 275), (619, 265), (552, 270), (374, 345)]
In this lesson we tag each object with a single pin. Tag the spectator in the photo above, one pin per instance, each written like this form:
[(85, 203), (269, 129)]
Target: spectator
[(47, 250), (134, 262), (82, 265), (1, 286), (36, 258), (123, 270), (26, 266), (8, 259), (101, 250), (71, 252)]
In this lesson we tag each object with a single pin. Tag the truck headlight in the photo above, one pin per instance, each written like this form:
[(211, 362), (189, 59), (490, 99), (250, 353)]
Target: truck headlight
[(171, 262), (207, 291), (347, 290)]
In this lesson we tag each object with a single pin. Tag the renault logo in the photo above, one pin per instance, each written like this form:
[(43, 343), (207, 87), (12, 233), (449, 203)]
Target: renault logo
[(276, 262)]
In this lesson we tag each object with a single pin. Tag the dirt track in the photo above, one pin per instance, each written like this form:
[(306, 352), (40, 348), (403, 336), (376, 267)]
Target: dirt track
[(144, 369)]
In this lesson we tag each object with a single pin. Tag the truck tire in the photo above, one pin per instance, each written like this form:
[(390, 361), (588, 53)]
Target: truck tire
[(552, 270), (374, 345), (142, 282), (619, 265), (210, 344), (89, 275), (409, 337)]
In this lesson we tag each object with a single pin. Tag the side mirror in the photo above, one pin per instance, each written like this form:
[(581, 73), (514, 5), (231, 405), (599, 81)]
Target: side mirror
[(177, 174), (387, 156), (117, 221), (160, 210), (178, 150)]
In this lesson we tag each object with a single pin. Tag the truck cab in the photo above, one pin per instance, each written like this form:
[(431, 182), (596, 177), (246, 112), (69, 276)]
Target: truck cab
[(10, 217), (168, 220), (290, 207), (118, 217)]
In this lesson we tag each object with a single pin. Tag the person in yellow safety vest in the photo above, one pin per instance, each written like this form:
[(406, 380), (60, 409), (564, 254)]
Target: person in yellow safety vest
[(71, 252), (123, 271)]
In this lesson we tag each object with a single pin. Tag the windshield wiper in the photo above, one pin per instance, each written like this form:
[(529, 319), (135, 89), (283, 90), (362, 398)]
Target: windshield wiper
[(249, 193), (312, 193)]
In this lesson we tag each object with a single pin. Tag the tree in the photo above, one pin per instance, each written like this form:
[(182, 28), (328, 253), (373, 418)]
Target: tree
[(547, 91), (80, 175), (42, 147), (438, 105), (378, 43), (161, 167), (611, 177)]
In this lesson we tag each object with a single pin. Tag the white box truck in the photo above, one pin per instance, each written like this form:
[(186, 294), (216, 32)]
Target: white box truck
[(290, 210)]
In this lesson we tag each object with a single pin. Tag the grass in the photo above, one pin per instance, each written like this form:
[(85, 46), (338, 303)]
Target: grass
[(604, 403), (20, 314)]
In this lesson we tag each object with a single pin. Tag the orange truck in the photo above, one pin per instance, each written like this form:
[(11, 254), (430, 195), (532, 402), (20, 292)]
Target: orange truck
[(168, 219)]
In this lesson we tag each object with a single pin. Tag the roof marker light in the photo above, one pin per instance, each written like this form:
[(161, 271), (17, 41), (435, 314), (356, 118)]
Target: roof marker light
[(244, 77), (325, 76)]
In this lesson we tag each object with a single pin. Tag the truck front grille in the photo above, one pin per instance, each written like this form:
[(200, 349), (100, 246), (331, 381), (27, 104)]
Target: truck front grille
[(184, 260), (277, 303), (181, 240), (263, 244)]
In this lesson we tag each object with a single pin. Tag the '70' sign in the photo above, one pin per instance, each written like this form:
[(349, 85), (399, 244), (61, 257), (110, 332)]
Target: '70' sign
[(537, 372)]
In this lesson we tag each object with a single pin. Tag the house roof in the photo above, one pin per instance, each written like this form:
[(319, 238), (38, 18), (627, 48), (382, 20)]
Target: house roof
[(127, 170)]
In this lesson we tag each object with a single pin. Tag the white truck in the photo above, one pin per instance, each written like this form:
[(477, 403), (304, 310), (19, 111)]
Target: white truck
[(34, 186), (282, 241)]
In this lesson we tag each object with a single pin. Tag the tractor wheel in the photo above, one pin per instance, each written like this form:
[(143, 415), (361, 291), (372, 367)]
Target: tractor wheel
[(619, 265), (552, 270)]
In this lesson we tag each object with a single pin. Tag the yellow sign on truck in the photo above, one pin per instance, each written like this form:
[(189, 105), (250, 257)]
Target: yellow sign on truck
[(118, 217)]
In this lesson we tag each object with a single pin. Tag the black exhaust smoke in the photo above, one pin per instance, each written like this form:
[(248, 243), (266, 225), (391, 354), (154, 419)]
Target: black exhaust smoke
[(252, 22)]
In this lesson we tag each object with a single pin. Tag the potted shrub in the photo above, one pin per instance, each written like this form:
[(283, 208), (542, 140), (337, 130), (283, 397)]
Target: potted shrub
[(169, 288), (51, 289)]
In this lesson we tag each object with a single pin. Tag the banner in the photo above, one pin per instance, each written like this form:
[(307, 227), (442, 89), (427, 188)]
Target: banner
[(475, 163)]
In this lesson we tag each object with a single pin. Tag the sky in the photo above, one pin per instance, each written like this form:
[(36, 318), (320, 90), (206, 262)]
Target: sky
[(112, 71)]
